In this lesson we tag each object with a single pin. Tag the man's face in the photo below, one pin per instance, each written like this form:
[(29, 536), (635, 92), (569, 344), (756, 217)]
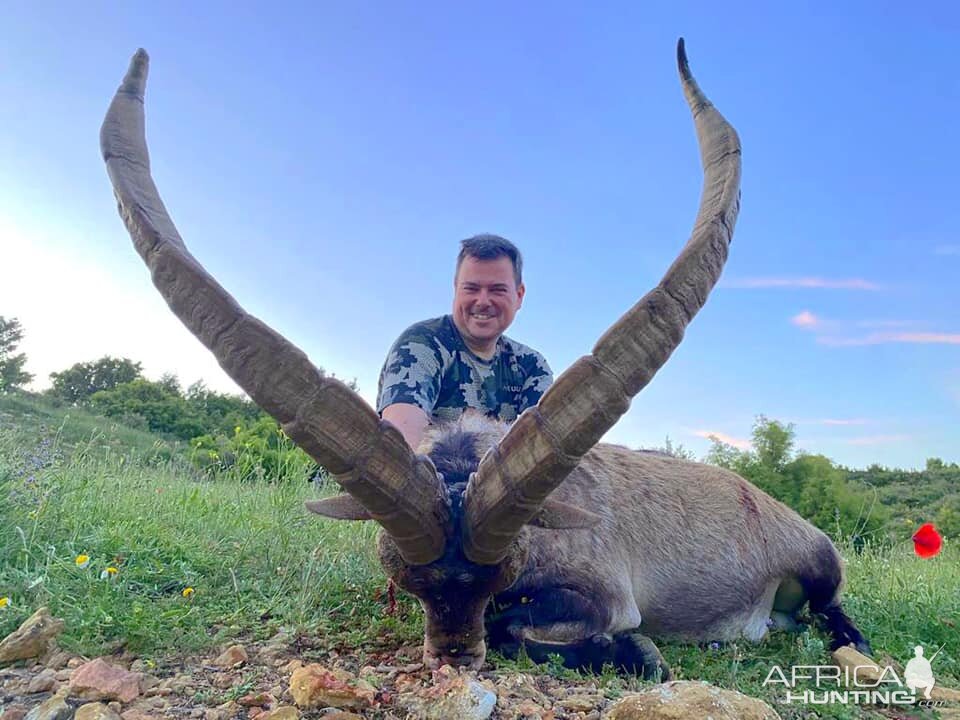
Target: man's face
[(485, 299)]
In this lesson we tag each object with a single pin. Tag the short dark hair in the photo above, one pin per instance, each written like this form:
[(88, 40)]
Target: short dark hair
[(491, 247)]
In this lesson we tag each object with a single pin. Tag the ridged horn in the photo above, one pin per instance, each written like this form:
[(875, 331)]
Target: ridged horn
[(547, 442), (367, 457)]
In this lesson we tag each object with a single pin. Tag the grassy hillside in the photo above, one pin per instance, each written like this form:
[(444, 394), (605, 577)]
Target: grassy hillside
[(177, 563)]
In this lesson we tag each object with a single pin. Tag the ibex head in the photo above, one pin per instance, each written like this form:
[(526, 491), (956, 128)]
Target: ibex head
[(452, 540)]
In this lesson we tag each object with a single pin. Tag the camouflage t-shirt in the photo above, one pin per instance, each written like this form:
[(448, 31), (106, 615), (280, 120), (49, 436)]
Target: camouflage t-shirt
[(430, 366)]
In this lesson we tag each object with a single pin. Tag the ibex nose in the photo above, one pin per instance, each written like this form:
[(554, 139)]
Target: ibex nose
[(455, 656)]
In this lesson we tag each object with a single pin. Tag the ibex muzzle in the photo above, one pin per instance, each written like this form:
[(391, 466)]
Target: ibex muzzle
[(564, 545)]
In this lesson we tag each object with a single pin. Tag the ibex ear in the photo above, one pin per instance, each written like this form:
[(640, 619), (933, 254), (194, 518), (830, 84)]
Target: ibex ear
[(338, 507), (558, 515)]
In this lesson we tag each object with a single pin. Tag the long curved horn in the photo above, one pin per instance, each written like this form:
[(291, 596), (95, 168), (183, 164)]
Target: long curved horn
[(548, 441), (368, 457)]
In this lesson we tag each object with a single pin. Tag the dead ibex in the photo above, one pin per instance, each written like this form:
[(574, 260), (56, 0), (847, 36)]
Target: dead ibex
[(565, 546)]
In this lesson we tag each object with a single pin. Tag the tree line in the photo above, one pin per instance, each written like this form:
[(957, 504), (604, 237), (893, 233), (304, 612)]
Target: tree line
[(229, 432)]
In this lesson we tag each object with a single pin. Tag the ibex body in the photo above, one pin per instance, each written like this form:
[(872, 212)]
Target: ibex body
[(630, 540), (575, 546)]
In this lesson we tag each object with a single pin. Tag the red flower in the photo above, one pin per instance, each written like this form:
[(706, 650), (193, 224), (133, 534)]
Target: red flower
[(927, 541)]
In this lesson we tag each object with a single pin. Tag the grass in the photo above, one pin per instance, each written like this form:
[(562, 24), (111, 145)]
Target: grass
[(258, 563)]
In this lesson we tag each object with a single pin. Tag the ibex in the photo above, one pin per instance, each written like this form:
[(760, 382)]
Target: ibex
[(529, 536)]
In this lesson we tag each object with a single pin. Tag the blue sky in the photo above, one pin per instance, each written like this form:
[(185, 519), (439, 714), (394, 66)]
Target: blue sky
[(323, 161)]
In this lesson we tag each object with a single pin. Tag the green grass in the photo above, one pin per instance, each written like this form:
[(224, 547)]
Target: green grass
[(25, 418), (259, 563)]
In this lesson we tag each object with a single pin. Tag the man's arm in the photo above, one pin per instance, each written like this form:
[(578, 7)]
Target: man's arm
[(410, 420)]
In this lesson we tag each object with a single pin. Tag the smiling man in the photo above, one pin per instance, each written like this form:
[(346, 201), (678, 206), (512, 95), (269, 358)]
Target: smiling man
[(438, 368)]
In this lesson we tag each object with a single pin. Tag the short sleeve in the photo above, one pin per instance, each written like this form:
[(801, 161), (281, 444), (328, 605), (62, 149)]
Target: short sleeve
[(411, 375)]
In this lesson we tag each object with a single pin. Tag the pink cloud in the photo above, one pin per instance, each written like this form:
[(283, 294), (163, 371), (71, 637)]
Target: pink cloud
[(803, 282), (738, 443), (878, 440), (806, 319), (885, 323), (924, 338)]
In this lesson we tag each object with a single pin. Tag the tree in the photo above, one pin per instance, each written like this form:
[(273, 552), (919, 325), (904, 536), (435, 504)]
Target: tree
[(164, 410), (12, 374), (78, 383)]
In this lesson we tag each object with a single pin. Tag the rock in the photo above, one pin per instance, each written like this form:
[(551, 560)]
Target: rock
[(64, 674), (530, 710), (95, 711), (222, 712), (147, 681), (54, 708), (232, 657), (257, 700), (314, 686), (523, 686), (293, 666), (96, 680), (140, 714), (451, 696), (75, 662), (44, 681), (223, 681), (580, 703), (284, 713), (56, 659), (14, 712), (342, 716), (31, 638), (683, 699)]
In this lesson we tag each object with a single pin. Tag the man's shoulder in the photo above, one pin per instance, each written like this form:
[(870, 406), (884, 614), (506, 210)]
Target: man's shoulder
[(529, 358), (429, 332)]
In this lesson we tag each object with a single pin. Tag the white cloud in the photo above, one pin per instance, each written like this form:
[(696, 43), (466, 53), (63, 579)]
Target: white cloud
[(921, 338), (738, 443), (806, 319), (803, 282)]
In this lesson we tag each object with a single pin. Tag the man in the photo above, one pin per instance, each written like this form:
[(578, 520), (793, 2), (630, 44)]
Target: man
[(438, 368)]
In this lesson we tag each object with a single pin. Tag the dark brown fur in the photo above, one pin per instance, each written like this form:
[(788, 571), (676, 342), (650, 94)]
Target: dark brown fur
[(682, 550)]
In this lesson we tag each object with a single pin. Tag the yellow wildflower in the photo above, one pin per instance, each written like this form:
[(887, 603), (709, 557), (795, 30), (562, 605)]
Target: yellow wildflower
[(187, 592), (108, 573), (4, 602), (82, 561)]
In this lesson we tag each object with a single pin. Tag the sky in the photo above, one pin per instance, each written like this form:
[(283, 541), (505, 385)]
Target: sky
[(323, 160)]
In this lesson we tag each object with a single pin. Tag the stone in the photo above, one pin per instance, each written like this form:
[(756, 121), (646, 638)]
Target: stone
[(97, 680), (261, 699), (95, 711), (14, 712), (683, 699), (31, 638), (530, 710), (232, 657), (44, 681), (315, 686), (285, 712), (56, 659), (451, 695), (53, 708), (521, 685)]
